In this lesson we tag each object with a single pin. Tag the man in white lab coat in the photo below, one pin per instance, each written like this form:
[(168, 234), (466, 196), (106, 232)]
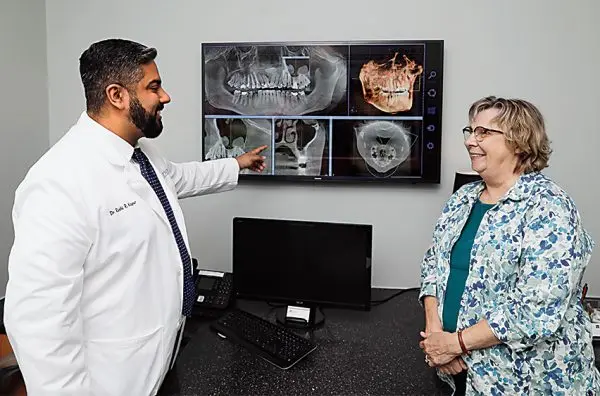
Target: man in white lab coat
[(99, 273)]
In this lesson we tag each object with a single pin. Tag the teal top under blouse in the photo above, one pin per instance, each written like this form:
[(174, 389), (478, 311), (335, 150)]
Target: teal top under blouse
[(459, 266)]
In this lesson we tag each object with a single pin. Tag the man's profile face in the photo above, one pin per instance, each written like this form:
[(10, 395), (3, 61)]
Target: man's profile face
[(149, 123), (146, 102)]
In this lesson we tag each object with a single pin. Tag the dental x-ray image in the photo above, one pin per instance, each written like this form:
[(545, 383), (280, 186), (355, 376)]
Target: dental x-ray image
[(301, 147), (386, 80), (275, 80), (231, 137), (367, 111), (379, 148)]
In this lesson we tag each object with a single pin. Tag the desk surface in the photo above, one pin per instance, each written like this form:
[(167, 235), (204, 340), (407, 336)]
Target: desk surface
[(359, 352)]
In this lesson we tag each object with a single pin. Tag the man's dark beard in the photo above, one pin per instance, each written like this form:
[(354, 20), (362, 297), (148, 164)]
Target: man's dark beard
[(150, 125)]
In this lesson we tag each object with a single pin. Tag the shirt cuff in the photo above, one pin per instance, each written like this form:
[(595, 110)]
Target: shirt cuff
[(429, 289)]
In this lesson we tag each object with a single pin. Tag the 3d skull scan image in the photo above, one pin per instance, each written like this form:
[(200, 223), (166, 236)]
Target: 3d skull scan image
[(384, 145), (231, 137), (389, 85), (274, 80), (300, 147)]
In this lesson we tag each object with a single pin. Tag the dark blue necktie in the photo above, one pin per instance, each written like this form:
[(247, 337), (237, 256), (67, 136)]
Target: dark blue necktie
[(188, 283)]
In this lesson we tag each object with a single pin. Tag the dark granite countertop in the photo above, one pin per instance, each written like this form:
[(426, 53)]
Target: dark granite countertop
[(359, 353)]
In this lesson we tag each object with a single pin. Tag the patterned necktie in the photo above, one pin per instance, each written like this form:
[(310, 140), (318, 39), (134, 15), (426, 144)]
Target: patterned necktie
[(150, 175)]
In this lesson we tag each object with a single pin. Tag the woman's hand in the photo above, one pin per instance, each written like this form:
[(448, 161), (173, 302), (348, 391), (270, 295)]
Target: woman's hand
[(440, 348), (454, 367)]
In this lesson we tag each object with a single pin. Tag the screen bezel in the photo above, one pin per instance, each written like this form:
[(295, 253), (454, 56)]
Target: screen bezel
[(434, 55)]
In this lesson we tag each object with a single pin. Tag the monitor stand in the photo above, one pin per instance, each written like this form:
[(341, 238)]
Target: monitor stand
[(300, 317)]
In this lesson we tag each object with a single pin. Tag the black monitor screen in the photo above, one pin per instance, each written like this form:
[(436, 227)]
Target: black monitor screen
[(328, 112), (302, 262)]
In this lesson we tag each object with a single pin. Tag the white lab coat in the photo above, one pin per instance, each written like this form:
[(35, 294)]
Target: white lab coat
[(93, 302)]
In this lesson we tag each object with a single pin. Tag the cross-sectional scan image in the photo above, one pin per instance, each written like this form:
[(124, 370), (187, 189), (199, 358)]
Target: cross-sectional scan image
[(301, 147), (378, 148), (275, 80), (231, 137), (386, 80)]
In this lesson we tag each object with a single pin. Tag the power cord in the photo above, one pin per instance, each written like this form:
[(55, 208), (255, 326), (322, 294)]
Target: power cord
[(373, 302), (379, 302)]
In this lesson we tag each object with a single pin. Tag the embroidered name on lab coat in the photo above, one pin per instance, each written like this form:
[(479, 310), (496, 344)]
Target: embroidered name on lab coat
[(121, 208)]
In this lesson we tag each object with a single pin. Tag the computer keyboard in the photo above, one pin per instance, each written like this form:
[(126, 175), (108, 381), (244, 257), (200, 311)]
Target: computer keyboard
[(271, 341)]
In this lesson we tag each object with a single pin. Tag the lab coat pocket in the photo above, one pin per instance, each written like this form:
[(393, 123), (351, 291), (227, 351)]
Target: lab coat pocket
[(126, 366)]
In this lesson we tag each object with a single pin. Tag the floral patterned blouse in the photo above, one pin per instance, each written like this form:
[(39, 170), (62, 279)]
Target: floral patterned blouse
[(527, 263)]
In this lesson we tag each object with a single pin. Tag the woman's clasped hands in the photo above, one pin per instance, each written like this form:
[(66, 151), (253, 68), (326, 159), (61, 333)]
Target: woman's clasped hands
[(442, 350)]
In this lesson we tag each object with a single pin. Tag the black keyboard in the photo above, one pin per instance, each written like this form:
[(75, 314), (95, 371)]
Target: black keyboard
[(271, 341)]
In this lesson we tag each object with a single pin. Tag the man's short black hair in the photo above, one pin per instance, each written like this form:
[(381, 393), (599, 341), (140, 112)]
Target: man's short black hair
[(112, 61)]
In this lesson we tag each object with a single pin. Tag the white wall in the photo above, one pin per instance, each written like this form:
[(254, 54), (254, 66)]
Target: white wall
[(544, 51), (23, 105)]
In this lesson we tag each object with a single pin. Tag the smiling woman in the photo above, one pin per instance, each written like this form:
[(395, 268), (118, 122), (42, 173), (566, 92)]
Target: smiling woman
[(501, 282)]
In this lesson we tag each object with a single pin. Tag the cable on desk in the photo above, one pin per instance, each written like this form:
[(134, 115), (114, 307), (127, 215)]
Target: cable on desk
[(274, 305), (379, 302)]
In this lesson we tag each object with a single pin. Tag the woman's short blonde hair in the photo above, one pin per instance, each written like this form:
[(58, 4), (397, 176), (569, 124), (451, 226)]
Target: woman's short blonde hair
[(524, 130)]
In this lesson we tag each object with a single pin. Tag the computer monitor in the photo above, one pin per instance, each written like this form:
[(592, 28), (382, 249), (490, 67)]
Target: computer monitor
[(302, 264)]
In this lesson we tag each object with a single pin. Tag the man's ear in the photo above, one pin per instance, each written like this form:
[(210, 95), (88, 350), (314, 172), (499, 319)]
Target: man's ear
[(117, 96)]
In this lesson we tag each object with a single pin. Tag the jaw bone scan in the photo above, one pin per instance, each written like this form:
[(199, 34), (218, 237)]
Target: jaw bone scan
[(231, 137), (384, 145), (389, 85), (299, 146), (274, 80)]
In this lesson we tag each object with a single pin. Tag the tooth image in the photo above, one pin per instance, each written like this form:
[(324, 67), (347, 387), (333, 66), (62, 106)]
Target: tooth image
[(257, 81), (271, 81), (267, 68), (276, 80), (287, 78)]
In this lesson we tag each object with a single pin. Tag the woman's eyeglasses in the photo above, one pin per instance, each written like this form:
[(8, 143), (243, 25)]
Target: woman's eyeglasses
[(479, 132)]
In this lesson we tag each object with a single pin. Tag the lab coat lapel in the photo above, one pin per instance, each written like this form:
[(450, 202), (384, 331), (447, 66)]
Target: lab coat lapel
[(146, 193)]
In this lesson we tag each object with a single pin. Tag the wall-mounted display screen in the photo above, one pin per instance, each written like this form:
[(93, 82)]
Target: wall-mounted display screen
[(345, 111)]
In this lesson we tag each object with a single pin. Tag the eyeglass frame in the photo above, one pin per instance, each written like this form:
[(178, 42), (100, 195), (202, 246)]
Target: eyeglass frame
[(478, 135)]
